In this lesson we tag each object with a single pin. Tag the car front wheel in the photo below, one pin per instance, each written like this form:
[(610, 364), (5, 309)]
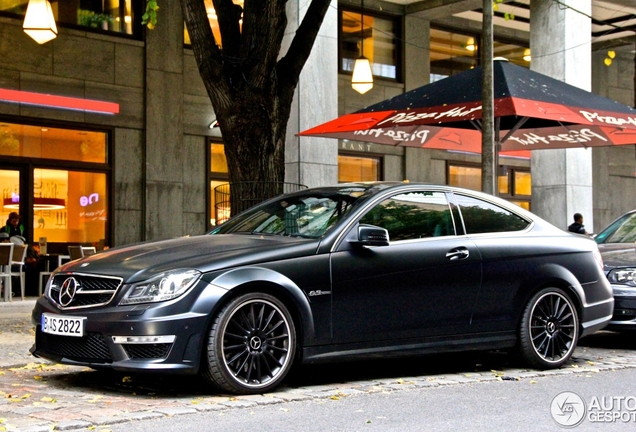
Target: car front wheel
[(549, 329), (251, 345)]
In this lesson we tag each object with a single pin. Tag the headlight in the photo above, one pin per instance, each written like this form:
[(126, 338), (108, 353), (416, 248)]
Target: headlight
[(626, 276), (165, 286)]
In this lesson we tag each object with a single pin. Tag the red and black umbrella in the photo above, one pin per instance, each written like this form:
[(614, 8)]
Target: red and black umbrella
[(531, 110)]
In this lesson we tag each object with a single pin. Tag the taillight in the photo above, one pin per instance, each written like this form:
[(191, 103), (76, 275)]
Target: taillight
[(599, 258)]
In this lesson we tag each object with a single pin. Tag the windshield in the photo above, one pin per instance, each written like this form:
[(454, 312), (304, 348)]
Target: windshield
[(310, 215), (622, 230)]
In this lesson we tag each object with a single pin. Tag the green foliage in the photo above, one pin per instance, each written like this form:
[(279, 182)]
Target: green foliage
[(481, 220), (406, 221), (149, 18), (89, 18)]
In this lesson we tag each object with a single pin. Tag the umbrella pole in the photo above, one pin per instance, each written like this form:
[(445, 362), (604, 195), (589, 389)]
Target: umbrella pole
[(488, 148)]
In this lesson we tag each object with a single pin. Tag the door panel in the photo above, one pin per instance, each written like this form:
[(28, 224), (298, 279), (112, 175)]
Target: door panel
[(405, 290), (424, 283)]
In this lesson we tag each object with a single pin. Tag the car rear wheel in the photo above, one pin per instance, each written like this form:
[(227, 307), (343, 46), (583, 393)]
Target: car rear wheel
[(251, 345), (549, 329)]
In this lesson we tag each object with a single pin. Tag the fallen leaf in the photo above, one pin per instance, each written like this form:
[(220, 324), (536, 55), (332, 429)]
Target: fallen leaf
[(126, 379), (334, 397)]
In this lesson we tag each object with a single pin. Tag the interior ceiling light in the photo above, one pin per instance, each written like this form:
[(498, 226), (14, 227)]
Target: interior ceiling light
[(38, 203), (39, 22), (470, 44), (526, 55), (362, 78)]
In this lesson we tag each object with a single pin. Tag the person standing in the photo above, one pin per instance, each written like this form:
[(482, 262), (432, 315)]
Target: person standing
[(578, 227), (13, 226)]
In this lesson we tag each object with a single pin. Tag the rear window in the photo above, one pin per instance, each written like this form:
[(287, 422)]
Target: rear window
[(484, 217)]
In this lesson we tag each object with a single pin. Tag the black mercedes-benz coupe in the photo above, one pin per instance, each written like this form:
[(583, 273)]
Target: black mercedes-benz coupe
[(617, 243), (326, 274)]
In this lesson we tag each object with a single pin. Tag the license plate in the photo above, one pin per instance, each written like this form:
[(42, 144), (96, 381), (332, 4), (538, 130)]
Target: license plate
[(63, 325)]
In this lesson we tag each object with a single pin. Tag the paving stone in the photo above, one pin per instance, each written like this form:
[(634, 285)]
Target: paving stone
[(238, 403), (291, 396), (261, 399), (175, 411), (72, 424), (205, 407), (143, 415)]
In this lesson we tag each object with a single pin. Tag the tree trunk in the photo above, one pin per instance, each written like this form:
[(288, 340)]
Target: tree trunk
[(251, 87)]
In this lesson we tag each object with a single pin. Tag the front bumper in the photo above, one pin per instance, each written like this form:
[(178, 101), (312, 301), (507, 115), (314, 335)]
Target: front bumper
[(148, 337), (624, 316)]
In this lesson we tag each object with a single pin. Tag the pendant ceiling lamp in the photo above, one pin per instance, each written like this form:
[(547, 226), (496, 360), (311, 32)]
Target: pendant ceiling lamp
[(362, 78), (39, 22)]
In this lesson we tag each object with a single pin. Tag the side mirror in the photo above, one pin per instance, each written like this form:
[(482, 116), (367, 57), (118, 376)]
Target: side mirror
[(370, 235)]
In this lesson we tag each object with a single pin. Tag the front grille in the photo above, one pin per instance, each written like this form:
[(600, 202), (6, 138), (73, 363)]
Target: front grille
[(147, 351), (91, 347), (87, 290)]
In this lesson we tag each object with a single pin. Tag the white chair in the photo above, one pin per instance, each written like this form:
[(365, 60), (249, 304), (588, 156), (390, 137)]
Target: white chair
[(17, 265), (61, 259), (6, 254), (75, 252), (88, 250)]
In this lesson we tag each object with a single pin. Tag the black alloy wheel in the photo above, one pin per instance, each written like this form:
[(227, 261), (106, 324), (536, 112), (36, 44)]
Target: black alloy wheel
[(549, 329), (251, 345)]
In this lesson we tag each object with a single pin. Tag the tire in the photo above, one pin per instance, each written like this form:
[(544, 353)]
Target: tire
[(549, 329), (251, 345)]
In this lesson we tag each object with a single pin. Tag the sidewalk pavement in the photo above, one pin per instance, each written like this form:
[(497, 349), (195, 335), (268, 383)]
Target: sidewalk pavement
[(38, 396), (16, 332)]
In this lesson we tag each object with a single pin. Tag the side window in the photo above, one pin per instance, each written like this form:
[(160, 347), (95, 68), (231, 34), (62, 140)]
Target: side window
[(483, 217), (413, 215)]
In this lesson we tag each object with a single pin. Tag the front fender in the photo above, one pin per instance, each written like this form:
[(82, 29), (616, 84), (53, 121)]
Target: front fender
[(255, 275)]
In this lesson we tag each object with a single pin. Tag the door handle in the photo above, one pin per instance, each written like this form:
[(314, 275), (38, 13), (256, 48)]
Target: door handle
[(457, 254)]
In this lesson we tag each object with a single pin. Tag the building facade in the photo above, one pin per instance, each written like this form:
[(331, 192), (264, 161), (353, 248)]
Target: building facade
[(145, 163)]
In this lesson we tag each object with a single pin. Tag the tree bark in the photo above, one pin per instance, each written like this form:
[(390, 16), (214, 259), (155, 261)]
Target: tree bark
[(250, 89)]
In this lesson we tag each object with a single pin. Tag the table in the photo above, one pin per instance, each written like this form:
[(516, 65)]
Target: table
[(48, 258)]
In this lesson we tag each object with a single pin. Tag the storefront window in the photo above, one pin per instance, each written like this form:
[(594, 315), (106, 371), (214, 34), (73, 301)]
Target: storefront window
[(452, 53), (118, 16), (357, 168), (513, 184), (70, 206), (219, 187), (58, 181), (52, 143), (214, 24), (380, 44)]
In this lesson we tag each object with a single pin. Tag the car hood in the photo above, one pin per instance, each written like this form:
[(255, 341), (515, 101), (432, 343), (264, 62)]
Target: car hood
[(205, 253), (618, 255)]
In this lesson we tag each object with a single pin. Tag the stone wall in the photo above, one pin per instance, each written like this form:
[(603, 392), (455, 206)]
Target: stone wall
[(614, 167)]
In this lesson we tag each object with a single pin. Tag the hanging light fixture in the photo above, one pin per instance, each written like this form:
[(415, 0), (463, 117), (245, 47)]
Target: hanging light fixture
[(362, 78), (470, 44), (39, 22), (526, 55)]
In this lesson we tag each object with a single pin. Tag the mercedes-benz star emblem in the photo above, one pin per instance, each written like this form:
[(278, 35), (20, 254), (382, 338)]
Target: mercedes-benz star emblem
[(68, 290), (255, 343)]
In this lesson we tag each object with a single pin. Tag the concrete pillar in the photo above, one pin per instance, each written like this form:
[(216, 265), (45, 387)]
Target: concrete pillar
[(313, 161), (164, 156), (417, 72), (560, 41), (417, 57)]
